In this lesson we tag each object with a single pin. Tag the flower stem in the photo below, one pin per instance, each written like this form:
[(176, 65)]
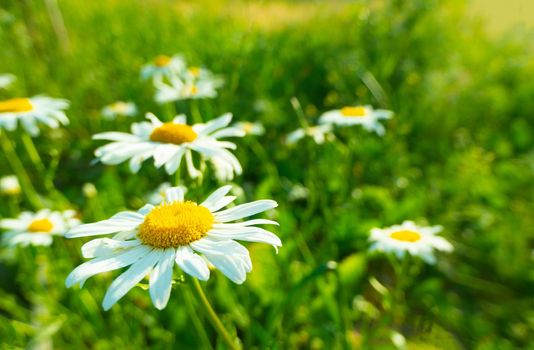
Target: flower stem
[(18, 169), (195, 111), (214, 319), (40, 167)]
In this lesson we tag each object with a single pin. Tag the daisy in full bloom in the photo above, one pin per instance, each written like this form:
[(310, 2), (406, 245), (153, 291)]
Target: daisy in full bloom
[(194, 83), (152, 239), (319, 133), (6, 80), (408, 238), (169, 142), (29, 111), (249, 128), (163, 67), (9, 185), (365, 116), (119, 109), (37, 228)]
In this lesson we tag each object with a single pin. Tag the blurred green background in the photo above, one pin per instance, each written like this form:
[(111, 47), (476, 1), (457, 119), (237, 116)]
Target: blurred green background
[(459, 152)]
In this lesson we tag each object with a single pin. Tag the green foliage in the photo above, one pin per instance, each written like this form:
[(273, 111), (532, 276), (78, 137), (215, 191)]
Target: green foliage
[(459, 153)]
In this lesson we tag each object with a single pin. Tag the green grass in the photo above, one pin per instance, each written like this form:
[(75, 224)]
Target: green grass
[(459, 153)]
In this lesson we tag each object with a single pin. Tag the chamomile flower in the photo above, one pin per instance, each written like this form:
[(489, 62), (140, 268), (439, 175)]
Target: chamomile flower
[(6, 80), (196, 83), (30, 111), (119, 109), (151, 240), (9, 185), (365, 116), (408, 238), (249, 128), (163, 66), (158, 196), (37, 228), (319, 133), (169, 142)]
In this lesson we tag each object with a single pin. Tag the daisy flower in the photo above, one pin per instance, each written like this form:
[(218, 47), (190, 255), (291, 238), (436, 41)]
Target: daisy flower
[(169, 142), (119, 109), (152, 239), (409, 238), (365, 116), (319, 133), (195, 83), (32, 110), (6, 80), (37, 228), (158, 196), (163, 67), (9, 185), (249, 128)]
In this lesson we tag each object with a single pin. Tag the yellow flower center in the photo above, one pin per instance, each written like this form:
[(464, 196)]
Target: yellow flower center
[(406, 236), (119, 107), (194, 71), (175, 224), (162, 60), (193, 90), (354, 111), (16, 105), (248, 127), (173, 133), (41, 225)]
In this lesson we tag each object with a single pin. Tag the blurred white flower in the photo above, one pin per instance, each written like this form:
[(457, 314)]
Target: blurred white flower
[(319, 133), (365, 116), (119, 109), (9, 185), (169, 142), (298, 192), (29, 111), (6, 80), (152, 239), (249, 128), (37, 228), (194, 83), (163, 67), (158, 196), (409, 238), (89, 190)]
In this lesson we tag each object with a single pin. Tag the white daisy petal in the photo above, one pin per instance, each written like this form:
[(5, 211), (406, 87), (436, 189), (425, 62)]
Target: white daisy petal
[(105, 246), (174, 194), (217, 195), (245, 210), (106, 263), (192, 264), (127, 280), (161, 279)]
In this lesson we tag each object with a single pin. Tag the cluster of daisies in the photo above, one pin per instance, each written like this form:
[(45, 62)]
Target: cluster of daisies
[(172, 232)]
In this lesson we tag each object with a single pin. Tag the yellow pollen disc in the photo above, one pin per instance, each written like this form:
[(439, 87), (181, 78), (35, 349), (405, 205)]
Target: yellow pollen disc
[(175, 224), (162, 60), (353, 111), (194, 71), (16, 105), (173, 133), (194, 90), (119, 107), (406, 236), (41, 225), (248, 127)]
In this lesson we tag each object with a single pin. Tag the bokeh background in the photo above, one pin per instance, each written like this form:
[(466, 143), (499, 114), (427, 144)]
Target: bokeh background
[(459, 152)]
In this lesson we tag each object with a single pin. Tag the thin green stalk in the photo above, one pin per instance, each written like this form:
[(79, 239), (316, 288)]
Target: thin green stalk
[(37, 162), (197, 323), (18, 169), (195, 111), (214, 319)]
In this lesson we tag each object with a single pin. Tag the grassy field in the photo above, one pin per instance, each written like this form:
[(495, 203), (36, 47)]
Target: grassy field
[(459, 152)]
